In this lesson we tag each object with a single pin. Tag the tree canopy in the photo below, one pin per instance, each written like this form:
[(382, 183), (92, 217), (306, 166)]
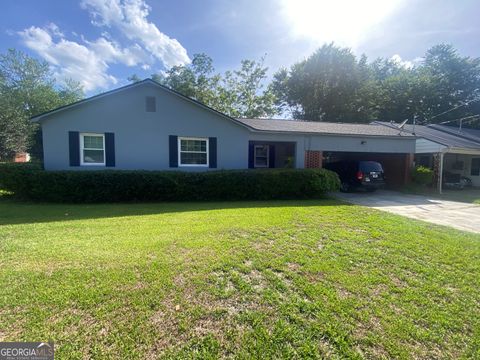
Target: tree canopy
[(27, 88), (334, 85)]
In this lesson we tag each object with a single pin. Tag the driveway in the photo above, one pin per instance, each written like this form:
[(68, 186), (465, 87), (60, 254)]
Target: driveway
[(456, 214)]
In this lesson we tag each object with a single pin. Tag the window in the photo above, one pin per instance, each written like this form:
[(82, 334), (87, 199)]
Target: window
[(92, 149), (261, 156), (192, 152), (475, 169)]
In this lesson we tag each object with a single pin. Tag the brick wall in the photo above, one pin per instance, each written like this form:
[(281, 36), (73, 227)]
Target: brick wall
[(313, 159)]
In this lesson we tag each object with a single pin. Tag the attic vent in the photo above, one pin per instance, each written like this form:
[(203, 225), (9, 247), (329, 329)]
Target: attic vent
[(150, 104)]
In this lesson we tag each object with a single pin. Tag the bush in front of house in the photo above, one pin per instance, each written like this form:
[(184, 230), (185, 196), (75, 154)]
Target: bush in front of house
[(31, 182), (422, 175)]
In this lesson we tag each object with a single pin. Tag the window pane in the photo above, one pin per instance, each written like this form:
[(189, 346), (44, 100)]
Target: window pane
[(261, 156), (93, 156), (369, 166), (93, 142), (475, 168), (261, 161), (193, 145), (193, 158), (261, 151)]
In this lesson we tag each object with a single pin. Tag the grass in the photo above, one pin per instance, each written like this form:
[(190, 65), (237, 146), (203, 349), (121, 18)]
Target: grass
[(467, 195), (290, 279)]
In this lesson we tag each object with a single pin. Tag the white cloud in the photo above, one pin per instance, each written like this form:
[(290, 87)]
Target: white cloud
[(88, 61), (130, 18), (69, 59), (55, 30), (408, 64), (111, 52)]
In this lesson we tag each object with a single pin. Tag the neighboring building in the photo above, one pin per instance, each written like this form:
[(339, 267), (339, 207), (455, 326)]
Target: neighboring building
[(450, 151), (21, 157), (148, 126)]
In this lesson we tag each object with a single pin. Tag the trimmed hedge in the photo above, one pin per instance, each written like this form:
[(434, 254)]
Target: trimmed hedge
[(31, 182)]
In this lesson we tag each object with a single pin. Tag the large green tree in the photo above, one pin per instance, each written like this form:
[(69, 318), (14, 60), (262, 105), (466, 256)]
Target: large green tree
[(330, 85), (245, 88), (443, 87), (333, 85), (27, 88), (455, 83)]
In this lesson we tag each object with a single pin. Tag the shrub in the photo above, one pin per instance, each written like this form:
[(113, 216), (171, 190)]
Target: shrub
[(422, 175), (118, 185)]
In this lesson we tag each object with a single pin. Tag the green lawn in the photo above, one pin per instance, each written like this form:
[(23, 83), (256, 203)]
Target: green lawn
[(290, 279)]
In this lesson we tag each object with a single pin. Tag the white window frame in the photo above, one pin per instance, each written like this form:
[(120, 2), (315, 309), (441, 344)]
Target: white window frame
[(82, 136), (180, 151), (255, 156)]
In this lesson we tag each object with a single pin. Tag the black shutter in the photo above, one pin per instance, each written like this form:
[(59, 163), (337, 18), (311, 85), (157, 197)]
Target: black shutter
[(212, 152), (251, 154), (74, 147), (271, 156), (173, 150), (110, 149)]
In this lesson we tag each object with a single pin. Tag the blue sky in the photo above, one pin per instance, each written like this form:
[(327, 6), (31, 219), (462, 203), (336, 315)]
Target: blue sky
[(101, 42)]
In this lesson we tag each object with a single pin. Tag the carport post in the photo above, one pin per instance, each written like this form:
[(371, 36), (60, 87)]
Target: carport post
[(440, 175)]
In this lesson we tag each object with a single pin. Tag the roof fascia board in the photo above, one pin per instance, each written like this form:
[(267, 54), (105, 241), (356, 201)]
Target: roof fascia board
[(409, 137)]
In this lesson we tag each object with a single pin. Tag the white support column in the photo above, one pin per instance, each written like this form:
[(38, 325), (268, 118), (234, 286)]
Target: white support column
[(440, 172)]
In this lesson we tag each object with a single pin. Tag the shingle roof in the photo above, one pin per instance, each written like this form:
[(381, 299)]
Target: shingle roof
[(467, 133), (433, 133), (327, 128)]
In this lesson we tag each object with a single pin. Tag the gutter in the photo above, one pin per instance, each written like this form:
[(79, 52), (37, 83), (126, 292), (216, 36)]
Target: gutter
[(303, 133), (465, 151)]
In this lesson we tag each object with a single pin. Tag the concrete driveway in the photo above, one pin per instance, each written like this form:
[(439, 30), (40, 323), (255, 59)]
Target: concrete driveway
[(459, 215)]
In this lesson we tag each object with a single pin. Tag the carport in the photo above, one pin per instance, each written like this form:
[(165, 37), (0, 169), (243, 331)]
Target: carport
[(316, 143), (397, 166)]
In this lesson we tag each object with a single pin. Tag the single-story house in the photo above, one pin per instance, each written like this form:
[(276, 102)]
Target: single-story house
[(151, 127), (446, 149)]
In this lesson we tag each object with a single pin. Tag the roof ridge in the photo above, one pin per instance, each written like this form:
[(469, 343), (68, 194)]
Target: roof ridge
[(310, 121)]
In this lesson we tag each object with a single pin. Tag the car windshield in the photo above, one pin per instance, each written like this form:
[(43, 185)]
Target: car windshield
[(369, 166)]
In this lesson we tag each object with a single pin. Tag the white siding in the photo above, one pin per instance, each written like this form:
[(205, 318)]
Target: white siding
[(424, 146)]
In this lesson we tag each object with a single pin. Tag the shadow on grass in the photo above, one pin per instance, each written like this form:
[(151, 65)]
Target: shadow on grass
[(14, 211)]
